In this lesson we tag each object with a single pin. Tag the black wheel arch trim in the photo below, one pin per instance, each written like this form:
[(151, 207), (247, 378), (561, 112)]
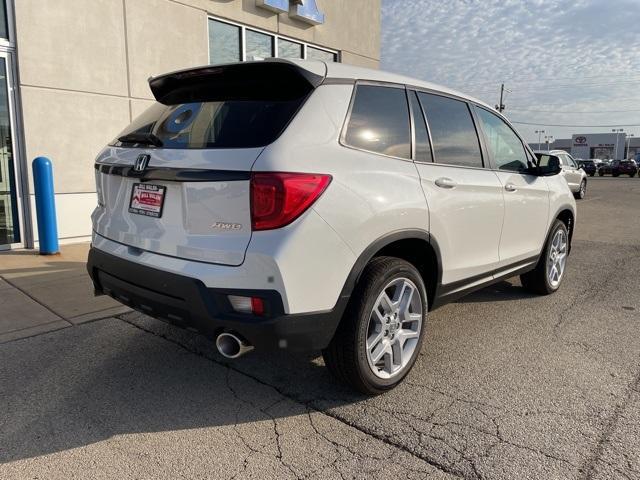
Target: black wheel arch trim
[(369, 252), (571, 227)]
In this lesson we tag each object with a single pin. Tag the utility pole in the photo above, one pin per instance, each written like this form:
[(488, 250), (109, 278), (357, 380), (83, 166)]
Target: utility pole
[(539, 132), (500, 106)]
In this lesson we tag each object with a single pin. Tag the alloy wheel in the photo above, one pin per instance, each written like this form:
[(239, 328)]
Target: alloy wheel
[(394, 328), (557, 258)]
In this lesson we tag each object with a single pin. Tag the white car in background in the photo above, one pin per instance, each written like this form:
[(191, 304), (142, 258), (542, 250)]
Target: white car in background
[(575, 176), (304, 205)]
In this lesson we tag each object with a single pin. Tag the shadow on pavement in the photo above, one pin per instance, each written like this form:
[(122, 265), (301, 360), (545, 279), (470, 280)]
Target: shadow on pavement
[(500, 292), (87, 384)]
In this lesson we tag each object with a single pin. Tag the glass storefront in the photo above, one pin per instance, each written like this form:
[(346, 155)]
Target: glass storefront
[(232, 43), (4, 26), (9, 225)]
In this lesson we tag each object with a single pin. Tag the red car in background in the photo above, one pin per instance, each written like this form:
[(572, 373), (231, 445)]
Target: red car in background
[(619, 167)]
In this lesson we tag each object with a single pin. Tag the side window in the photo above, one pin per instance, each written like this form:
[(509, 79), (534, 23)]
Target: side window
[(572, 162), (506, 148), (455, 140), (423, 149), (379, 121)]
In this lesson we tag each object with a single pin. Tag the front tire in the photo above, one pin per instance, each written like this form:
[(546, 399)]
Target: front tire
[(381, 332), (549, 272), (580, 194)]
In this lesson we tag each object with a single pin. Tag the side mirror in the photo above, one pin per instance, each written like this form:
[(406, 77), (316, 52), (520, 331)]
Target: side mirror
[(548, 165)]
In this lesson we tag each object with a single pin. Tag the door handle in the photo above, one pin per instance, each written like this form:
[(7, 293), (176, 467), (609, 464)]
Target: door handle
[(445, 182), (510, 187)]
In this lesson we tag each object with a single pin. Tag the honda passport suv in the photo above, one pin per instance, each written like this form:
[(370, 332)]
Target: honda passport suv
[(308, 206)]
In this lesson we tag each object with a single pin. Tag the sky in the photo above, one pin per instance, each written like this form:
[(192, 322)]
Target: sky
[(566, 62)]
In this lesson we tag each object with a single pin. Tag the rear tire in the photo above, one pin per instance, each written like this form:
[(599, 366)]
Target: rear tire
[(541, 279), (601, 174), (368, 330)]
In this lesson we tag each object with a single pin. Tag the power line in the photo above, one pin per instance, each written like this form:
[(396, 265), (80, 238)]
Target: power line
[(566, 111), (556, 87), (575, 126), (631, 76)]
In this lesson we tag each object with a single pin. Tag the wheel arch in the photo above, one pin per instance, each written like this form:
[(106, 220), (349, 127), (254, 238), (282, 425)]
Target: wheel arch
[(567, 216), (415, 246)]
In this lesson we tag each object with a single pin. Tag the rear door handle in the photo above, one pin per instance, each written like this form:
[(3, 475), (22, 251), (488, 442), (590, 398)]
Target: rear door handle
[(510, 187), (445, 182)]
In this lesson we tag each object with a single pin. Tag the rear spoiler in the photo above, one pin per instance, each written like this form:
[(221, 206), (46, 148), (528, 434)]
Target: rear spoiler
[(272, 80)]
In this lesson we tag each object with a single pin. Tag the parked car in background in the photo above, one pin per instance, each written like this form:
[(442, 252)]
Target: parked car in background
[(576, 177), (604, 169), (222, 209), (624, 167), (588, 166)]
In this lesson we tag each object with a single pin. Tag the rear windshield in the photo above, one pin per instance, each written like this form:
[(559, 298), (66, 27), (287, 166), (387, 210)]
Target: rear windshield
[(211, 124)]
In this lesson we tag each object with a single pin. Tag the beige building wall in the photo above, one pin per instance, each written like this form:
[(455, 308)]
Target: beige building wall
[(83, 68)]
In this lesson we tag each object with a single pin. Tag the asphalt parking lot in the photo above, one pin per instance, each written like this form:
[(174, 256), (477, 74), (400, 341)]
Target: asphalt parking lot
[(508, 386)]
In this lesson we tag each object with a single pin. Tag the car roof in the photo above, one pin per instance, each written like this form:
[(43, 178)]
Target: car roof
[(551, 152), (337, 70)]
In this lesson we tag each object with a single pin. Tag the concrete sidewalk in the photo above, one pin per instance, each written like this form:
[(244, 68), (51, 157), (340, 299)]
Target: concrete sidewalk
[(45, 293)]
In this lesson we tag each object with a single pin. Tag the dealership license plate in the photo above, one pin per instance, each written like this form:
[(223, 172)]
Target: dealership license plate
[(147, 199)]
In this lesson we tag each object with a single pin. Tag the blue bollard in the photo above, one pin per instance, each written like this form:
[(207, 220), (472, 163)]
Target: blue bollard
[(45, 206)]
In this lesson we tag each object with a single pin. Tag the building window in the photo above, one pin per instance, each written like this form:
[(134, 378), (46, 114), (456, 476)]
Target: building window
[(229, 42), (224, 42), (317, 54), (4, 27), (287, 49), (259, 45)]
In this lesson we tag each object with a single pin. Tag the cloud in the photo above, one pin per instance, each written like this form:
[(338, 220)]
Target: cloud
[(554, 55)]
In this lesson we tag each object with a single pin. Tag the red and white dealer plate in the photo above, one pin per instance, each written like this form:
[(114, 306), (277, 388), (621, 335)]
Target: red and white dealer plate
[(147, 199)]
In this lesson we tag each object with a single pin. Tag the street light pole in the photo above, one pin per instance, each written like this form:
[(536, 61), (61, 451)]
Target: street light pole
[(539, 132), (629, 143), (617, 130), (548, 139)]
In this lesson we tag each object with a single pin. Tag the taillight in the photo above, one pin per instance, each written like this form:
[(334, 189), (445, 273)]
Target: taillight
[(277, 198)]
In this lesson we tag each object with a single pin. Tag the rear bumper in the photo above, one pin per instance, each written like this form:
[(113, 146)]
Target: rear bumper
[(188, 303)]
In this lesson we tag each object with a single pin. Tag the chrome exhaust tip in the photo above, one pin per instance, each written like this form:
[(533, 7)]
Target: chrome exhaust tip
[(230, 346)]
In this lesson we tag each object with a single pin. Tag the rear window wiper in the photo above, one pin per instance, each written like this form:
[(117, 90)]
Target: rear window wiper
[(141, 138)]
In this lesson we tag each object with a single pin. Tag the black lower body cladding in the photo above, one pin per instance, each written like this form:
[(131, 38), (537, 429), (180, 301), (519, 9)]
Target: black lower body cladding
[(188, 303)]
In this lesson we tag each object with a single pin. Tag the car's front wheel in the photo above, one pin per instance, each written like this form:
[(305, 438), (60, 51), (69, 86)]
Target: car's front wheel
[(580, 194), (549, 272), (380, 335)]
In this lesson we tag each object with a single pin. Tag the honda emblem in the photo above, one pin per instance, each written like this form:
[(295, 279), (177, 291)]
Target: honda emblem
[(141, 162)]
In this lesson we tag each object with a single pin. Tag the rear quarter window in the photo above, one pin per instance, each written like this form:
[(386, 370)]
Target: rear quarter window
[(379, 121)]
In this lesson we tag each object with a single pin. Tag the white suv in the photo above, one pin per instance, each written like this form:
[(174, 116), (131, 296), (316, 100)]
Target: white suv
[(310, 206)]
